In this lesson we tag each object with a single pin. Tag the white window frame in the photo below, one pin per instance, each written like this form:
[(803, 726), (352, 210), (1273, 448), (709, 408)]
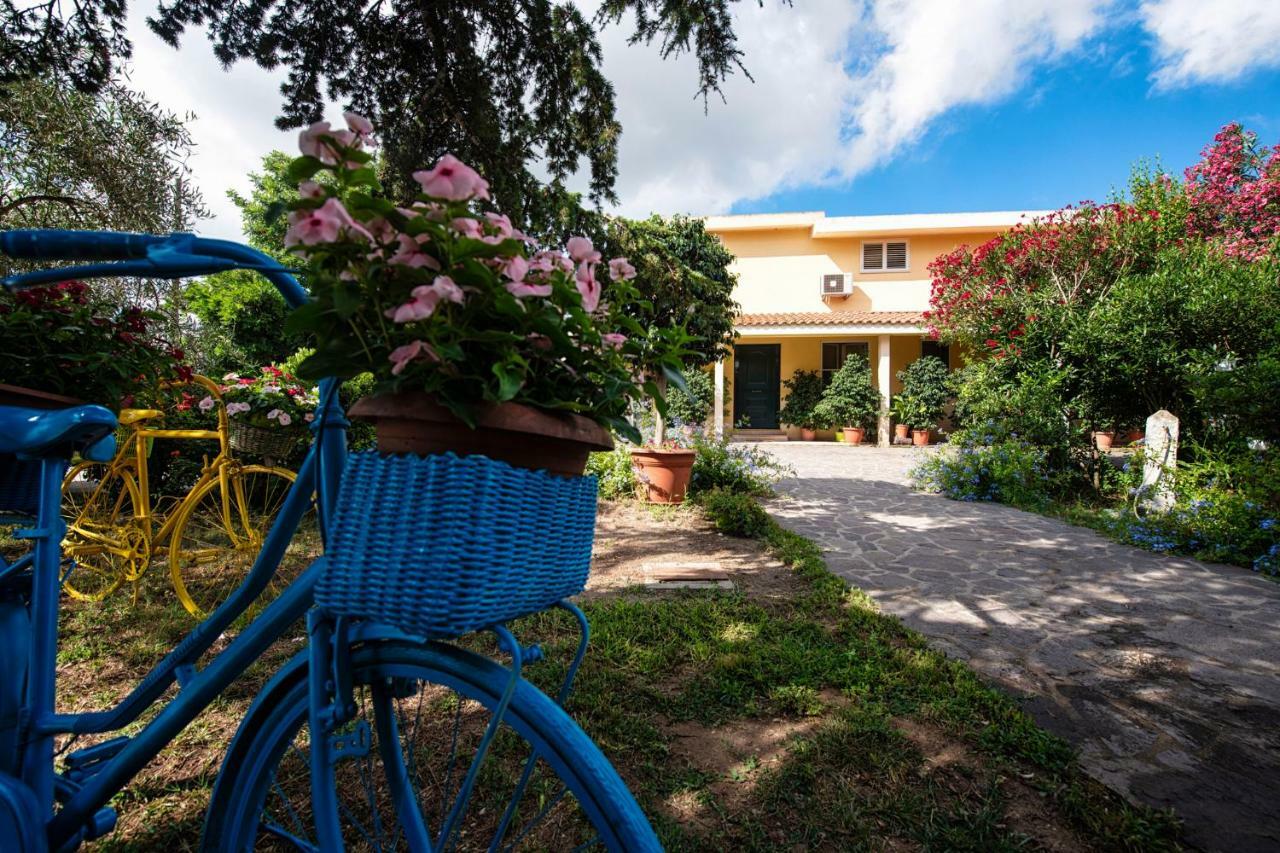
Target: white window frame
[(884, 254)]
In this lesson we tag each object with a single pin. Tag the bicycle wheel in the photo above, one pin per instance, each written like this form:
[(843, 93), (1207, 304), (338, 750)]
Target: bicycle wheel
[(104, 540), (423, 708), (219, 533)]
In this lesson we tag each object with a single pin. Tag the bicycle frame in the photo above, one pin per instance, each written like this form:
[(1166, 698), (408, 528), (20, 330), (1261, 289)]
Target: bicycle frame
[(109, 766)]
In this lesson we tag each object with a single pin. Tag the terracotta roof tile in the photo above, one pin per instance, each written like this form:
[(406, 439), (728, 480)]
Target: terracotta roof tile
[(833, 318)]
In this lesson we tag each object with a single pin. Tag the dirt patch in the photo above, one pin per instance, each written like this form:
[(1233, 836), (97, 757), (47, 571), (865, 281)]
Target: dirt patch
[(631, 537)]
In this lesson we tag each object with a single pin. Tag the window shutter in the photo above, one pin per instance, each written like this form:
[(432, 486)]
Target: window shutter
[(895, 256), (873, 256)]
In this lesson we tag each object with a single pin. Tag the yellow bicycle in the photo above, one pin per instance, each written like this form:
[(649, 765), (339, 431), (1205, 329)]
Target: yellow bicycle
[(210, 538)]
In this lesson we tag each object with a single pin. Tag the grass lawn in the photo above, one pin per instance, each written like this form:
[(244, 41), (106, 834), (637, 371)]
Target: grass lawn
[(786, 714)]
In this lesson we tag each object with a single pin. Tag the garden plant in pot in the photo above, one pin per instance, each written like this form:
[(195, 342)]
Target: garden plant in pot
[(497, 366), (268, 412), (926, 390), (851, 400), (66, 345), (804, 393)]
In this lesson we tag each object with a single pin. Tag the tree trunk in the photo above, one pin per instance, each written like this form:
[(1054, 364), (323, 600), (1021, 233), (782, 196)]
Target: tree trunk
[(659, 422)]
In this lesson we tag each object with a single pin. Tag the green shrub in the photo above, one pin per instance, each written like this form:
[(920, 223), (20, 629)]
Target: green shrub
[(734, 467), (926, 389), (691, 407), (804, 393), (735, 513), (851, 399), (613, 468), (1010, 471)]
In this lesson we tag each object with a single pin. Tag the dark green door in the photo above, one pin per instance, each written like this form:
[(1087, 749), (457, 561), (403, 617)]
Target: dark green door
[(756, 385)]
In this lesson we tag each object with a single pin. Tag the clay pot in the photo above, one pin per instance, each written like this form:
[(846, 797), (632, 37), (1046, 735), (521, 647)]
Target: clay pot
[(920, 437), (1103, 439), (808, 434), (854, 435), (522, 436), (900, 431), (662, 476), (1133, 436)]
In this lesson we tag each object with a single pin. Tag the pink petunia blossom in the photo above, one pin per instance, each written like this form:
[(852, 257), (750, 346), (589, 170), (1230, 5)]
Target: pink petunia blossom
[(310, 189), (401, 356), (521, 289), (621, 269), (206, 404), (588, 286), (453, 180), (424, 300), (581, 250), (410, 254), (312, 142), (613, 340), (359, 125), (467, 227), (322, 225), (284, 419)]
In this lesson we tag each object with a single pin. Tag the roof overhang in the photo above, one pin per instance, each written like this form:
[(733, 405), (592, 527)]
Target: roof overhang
[(821, 226), (827, 329)]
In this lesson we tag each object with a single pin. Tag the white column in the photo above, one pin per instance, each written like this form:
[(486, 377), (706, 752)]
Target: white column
[(719, 400), (883, 376)]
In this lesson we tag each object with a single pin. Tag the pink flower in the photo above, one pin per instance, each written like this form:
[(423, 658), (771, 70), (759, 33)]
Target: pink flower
[(501, 222), (322, 225), (410, 254), (580, 249), (424, 300), (237, 408), (613, 340), (359, 125), (273, 414), (453, 180), (284, 419), (206, 404), (445, 287), (401, 356), (620, 268), (521, 289), (467, 227), (319, 140), (310, 189), (309, 417), (517, 268), (588, 287)]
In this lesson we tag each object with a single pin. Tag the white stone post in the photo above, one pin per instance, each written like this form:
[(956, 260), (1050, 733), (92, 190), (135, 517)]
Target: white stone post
[(883, 375), (1161, 461), (719, 400)]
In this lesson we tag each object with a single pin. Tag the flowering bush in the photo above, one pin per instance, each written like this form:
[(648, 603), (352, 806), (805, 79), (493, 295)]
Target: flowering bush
[(1010, 471), (439, 296), (738, 468), (64, 340), (1234, 194), (271, 400)]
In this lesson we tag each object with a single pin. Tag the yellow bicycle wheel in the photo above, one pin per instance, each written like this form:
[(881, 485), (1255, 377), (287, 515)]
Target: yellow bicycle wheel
[(104, 539), (220, 531)]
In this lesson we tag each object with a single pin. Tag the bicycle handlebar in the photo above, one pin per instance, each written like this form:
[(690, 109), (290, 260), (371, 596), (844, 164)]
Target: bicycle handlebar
[(138, 255), (50, 244)]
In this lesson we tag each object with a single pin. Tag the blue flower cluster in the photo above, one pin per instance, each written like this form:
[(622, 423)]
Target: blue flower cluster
[(1009, 471)]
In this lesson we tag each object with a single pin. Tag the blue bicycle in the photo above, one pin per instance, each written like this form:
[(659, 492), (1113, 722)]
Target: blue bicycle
[(380, 735)]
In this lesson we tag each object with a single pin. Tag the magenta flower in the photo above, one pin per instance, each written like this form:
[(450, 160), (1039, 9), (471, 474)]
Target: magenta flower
[(613, 340), (322, 225), (620, 268), (401, 356), (319, 141), (410, 254), (453, 180), (310, 189)]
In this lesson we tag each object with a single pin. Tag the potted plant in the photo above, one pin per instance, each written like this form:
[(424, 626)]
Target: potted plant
[(851, 399), (804, 393), (268, 412), (479, 340), (926, 388), (911, 418), (1135, 435), (65, 345), (1104, 438)]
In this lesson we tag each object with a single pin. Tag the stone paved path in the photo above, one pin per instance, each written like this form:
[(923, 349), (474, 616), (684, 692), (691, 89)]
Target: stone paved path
[(1164, 671)]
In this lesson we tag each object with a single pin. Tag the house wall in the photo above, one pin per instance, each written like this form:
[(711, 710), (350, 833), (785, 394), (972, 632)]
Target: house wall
[(779, 270)]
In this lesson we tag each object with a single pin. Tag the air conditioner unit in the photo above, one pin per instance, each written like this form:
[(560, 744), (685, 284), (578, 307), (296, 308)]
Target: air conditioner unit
[(837, 284)]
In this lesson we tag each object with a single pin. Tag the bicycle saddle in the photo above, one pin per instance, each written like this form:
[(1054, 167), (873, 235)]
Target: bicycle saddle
[(36, 433)]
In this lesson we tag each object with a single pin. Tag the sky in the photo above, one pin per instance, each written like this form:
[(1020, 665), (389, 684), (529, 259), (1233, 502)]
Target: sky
[(883, 106)]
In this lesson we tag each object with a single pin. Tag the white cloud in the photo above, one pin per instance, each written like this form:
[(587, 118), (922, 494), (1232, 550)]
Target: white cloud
[(234, 111), (1199, 42)]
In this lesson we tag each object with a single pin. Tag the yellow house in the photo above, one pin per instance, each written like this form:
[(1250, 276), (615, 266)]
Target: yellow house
[(814, 288)]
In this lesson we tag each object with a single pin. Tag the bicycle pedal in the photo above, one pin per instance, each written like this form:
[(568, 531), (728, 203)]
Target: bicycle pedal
[(83, 763), (353, 744)]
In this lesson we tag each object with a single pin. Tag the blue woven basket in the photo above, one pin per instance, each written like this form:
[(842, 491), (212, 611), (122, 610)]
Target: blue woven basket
[(440, 545), (19, 485)]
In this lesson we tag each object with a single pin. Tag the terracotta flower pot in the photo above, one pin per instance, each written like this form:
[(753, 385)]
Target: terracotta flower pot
[(808, 434), (854, 435), (920, 437), (900, 431), (662, 476), (1102, 439), (1133, 436), (522, 436)]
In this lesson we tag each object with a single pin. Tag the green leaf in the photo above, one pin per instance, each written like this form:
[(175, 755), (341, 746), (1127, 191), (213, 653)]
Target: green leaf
[(303, 318), (303, 169), (675, 377), (510, 380)]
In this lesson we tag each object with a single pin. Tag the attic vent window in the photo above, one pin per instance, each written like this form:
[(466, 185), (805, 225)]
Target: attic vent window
[(889, 256)]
